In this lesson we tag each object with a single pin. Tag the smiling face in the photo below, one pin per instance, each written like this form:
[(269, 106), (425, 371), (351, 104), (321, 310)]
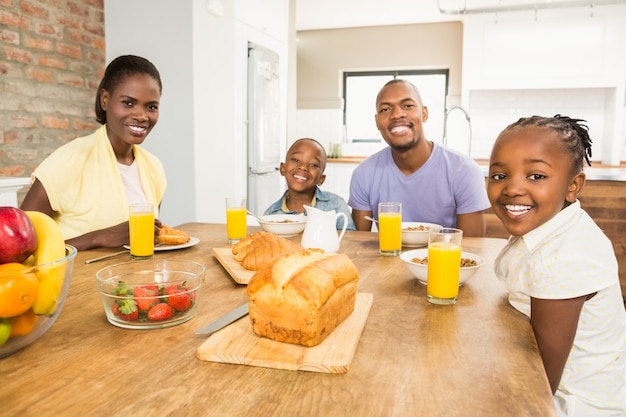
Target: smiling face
[(531, 178), (132, 109), (400, 115), (304, 165)]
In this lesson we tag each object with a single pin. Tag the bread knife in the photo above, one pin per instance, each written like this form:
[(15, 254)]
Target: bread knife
[(225, 320)]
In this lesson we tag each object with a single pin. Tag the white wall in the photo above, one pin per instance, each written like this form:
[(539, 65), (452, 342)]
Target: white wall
[(201, 135), (220, 150), (130, 31), (567, 61)]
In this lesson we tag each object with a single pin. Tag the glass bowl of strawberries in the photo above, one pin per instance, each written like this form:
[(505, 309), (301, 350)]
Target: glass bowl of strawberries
[(150, 294)]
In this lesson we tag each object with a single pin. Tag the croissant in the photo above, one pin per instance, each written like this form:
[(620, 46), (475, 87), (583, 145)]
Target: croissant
[(262, 248), (240, 248), (170, 236)]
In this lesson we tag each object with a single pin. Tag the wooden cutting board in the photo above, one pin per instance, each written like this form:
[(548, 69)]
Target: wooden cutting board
[(233, 267), (237, 344)]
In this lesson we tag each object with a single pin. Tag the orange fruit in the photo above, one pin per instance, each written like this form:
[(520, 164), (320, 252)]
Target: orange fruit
[(22, 325), (18, 289)]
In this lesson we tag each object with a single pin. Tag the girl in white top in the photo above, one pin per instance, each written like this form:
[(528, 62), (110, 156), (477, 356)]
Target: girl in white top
[(559, 268)]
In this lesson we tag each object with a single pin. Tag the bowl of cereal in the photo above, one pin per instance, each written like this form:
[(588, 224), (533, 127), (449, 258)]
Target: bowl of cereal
[(416, 261), (284, 225), (415, 234)]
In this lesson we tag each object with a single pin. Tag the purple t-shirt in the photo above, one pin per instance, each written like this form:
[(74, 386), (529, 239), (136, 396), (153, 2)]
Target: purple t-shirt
[(449, 183)]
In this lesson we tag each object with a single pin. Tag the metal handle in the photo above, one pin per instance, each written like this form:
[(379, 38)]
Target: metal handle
[(101, 258)]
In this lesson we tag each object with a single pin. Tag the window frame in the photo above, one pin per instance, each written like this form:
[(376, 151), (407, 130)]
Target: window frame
[(394, 74)]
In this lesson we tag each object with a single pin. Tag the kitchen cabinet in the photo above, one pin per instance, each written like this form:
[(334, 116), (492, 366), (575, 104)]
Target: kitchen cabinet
[(255, 14), (9, 186), (518, 64)]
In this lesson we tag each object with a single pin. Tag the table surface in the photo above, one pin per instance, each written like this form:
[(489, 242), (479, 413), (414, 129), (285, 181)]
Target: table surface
[(478, 357)]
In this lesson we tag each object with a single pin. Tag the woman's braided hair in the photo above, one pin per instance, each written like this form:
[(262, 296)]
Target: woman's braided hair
[(573, 132)]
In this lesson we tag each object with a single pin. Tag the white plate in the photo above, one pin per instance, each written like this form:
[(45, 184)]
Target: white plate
[(193, 241)]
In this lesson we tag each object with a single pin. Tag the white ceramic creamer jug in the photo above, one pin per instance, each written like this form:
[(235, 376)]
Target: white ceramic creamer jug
[(321, 230)]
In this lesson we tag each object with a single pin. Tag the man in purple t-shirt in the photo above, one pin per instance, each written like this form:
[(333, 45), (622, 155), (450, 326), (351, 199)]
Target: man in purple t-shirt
[(433, 183)]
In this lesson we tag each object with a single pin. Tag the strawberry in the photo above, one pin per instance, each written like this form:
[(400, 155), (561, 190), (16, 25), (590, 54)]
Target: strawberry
[(126, 310), (146, 296), (122, 289), (160, 312), (178, 297)]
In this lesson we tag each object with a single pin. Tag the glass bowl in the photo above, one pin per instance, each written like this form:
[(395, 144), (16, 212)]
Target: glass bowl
[(150, 294), (62, 267)]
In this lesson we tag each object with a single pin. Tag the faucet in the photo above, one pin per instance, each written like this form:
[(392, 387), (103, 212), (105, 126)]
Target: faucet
[(445, 126)]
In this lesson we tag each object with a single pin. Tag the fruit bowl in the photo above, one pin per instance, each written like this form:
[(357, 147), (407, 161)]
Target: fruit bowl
[(420, 270), (283, 224), (150, 294), (24, 333)]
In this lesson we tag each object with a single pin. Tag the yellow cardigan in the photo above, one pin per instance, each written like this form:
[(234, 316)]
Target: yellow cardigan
[(85, 187)]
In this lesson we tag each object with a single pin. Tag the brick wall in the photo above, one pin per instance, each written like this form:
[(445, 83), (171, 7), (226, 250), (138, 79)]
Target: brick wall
[(52, 57)]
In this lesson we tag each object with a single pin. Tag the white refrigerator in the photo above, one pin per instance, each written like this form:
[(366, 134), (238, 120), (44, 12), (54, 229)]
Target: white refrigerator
[(264, 180)]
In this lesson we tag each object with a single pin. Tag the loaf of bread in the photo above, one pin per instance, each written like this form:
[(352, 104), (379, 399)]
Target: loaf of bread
[(261, 248), (303, 296), (170, 236)]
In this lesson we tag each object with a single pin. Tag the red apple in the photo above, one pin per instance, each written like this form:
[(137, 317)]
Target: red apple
[(17, 235)]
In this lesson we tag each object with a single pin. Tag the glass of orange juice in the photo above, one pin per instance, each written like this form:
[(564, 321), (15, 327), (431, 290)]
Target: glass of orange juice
[(141, 229), (390, 228), (444, 265), (235, 219)]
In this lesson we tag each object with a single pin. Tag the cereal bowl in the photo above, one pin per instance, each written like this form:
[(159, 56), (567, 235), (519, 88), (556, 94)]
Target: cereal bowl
[(415, 234), (420, 270), (283, 224), (27, 327), (151, 293)]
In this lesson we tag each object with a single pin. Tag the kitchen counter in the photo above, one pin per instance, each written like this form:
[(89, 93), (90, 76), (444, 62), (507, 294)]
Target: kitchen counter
[(9, 186), (594, 173), (478, 357), (347, 160)]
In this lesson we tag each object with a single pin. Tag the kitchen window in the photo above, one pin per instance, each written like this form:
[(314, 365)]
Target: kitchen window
[(359, 94)]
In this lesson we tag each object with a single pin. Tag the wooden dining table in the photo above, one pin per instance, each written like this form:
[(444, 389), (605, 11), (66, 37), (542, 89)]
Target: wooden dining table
[(478, 357)]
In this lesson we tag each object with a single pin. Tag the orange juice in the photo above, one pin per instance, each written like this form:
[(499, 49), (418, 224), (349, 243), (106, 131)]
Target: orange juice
[(141, 234), (236, 224), (444, 267), (390, 232)]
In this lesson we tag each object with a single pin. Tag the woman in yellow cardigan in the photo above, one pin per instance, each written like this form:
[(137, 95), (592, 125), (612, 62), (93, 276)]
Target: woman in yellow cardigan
[(87, 184)]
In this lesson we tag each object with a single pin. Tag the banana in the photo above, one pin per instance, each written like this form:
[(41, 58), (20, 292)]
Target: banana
[(30, 261), (5, 330), (50, 247)]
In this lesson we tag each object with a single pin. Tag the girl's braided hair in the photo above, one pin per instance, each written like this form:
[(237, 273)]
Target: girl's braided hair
[(573, 132)]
